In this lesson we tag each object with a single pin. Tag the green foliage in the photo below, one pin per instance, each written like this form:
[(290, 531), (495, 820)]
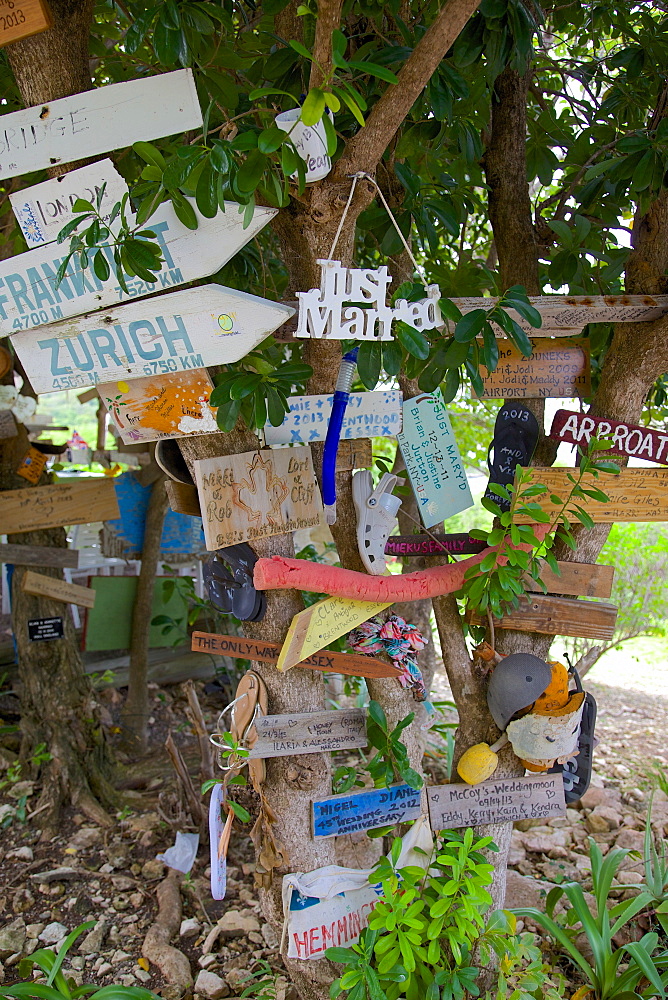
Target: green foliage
[(655, 865), (257, 389), (17, 771), (390, 763)]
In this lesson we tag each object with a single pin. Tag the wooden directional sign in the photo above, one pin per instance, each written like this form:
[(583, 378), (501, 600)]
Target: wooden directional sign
[(160, 406), (267, 652), (58, 590), (309, 732), (576, 579), (626, 439), (52, 506), (315, 627), (368, 414), (365, 810), (558, 616), (30, 296), (23, 18), (96, 121), (505, 800), (183, 330), (257, 494), (426, 545), (553, 370), (39, 555), (568, 314), (635, 494)]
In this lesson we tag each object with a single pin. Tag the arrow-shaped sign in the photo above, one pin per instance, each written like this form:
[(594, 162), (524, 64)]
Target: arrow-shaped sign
[(30, 297), (193, 328)]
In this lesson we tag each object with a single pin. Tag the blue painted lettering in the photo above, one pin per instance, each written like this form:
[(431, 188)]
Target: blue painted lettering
[(53, 344), (104, 345), (143, 324), (84, 366), (174, 336)]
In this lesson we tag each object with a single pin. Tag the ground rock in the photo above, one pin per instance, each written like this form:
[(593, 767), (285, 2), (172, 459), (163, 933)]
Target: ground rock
[(153, 869), (92, 943), (629, 878), (189, 928), (12, 937), (22, 901), (631, 839), (21, 854), (270, 936), (208, 984), (85, 837), (53, 933), (603, 819), (522, 890), (236, 922), (55, 875)]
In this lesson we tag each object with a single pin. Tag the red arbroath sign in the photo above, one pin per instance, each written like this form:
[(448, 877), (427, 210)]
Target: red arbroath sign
[(627, 439)]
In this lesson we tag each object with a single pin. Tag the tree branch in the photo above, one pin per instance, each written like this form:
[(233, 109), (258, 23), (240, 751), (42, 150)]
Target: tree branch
[(329, 19)]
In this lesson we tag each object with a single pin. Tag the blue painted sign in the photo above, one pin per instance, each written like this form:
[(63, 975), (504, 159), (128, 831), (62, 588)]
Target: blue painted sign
[(181, 534), (365, 810), (433, 461), (368, 414)]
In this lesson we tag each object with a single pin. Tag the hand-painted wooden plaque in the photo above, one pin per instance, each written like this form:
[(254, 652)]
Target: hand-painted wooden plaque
[(558, 616), (267, 652), (425, 545), (566, 315), (42, 211), (626, 439), (553, 370), (160, 406), (432, 458), (32, 465), (22, 19), (80, 502), (368, 414), (315, 627), (58, 590), (96, 121), (30, 296), (365, 810), (635, 494), (257, 494), (309, 732), (39, 555), (505, 800), (176, 332)]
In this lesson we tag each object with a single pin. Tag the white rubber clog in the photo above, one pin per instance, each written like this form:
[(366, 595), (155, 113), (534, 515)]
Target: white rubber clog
[(376, 517)]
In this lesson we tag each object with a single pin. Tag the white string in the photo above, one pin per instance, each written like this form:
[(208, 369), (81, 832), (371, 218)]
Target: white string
[(355, 178)]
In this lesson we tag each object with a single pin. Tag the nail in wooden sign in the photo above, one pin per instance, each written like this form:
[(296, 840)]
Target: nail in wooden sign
[(160, 406), (22, 19), (425, 545), (267, 652), (42, 211), (627, 439), (506, 800), (39, 555), (53, 506), (553, 370), (45, 629), (179, 331), (365, 810), (32, 465), (58, 590), (432, 458), (257, 494), (558, 616), (309, 732), (368, 414), (634, 494), (96, 121), (31, 297), (569, 313), (7, 425), (315, 627)]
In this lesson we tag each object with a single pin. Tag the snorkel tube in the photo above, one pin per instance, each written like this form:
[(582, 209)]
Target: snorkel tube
[(341, 397)]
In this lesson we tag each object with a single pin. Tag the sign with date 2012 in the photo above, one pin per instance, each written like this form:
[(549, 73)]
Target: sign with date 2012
[(368, 809)]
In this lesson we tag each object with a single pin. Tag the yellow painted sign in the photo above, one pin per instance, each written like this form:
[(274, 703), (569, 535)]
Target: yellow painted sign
[(322, 623)]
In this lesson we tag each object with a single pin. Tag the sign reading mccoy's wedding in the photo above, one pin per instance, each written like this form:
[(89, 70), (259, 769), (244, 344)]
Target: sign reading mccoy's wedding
[(257, 494), (428, 545), (505, 800), (627, 439), (30, 295), (552, 370), (634, 494), (314, 628), (368, 414), (23, 18), (193, 328), (365, 810), (52, 506), (309, 732), (95, 121)]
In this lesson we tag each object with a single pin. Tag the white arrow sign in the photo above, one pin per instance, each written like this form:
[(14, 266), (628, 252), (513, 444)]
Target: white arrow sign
[(29, 295), (96, 121), (193, 328)]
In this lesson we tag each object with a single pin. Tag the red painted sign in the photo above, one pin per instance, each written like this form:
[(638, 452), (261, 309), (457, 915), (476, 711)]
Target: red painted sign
[(627, 439)]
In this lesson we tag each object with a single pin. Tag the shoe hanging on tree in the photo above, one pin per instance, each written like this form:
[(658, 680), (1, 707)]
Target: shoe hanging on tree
[(376, 517), (513, 444)]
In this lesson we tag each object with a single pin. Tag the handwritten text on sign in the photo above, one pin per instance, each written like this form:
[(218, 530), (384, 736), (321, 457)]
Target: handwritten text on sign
[(314, 628), (426, 545), (633, 494), (160, 406), (432, 459), (309, 732), (313, 924), (365, 810), (52, 506), (551, 371), (627, 439), (368, 414), (23, 18), (504, 801)]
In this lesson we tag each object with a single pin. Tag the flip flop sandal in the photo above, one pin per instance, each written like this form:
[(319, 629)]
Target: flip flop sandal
[(376, 518), (171, 461), (576, 771), (228, 578), (514, 442), (250, 701)]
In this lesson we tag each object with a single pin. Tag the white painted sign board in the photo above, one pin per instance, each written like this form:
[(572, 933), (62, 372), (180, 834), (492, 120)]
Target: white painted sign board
[(368, 414), (96, 121), (29, 296), (193, 328), (312, 925), (500, 800), (42, 210)]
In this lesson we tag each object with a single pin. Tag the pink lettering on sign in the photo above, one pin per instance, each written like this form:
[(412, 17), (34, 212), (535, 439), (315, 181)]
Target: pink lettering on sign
[(627, 439)]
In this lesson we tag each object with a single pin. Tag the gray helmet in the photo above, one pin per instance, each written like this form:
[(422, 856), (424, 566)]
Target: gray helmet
[(518, 680)]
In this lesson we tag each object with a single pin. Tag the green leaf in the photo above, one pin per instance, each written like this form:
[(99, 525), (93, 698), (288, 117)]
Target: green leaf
[(250, 172), (301, 49), (369, 363), (101, 265), (373, 69), (470, 325), (313, 107), (185, 213), (414, 341), (206, 192), (270, 139), (150, 154), (239, 811)]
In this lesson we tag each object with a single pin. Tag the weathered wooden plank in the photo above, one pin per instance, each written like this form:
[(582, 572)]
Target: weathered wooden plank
[(96, 121), (183, 499), (23, 19), (160, 406), (573, 312), (182, 330), (504, 800), (315, 627), (553, 370), (576, 579), (356, 454), (85, 397), (257, 494), (267, 652), (635, 494), (426, 545), (39, 555), (364, 810), (8, 427), (558, 616), (32, 298), (368, 414), (81, 502), (309, 732), (58, 590), (627, 439)]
